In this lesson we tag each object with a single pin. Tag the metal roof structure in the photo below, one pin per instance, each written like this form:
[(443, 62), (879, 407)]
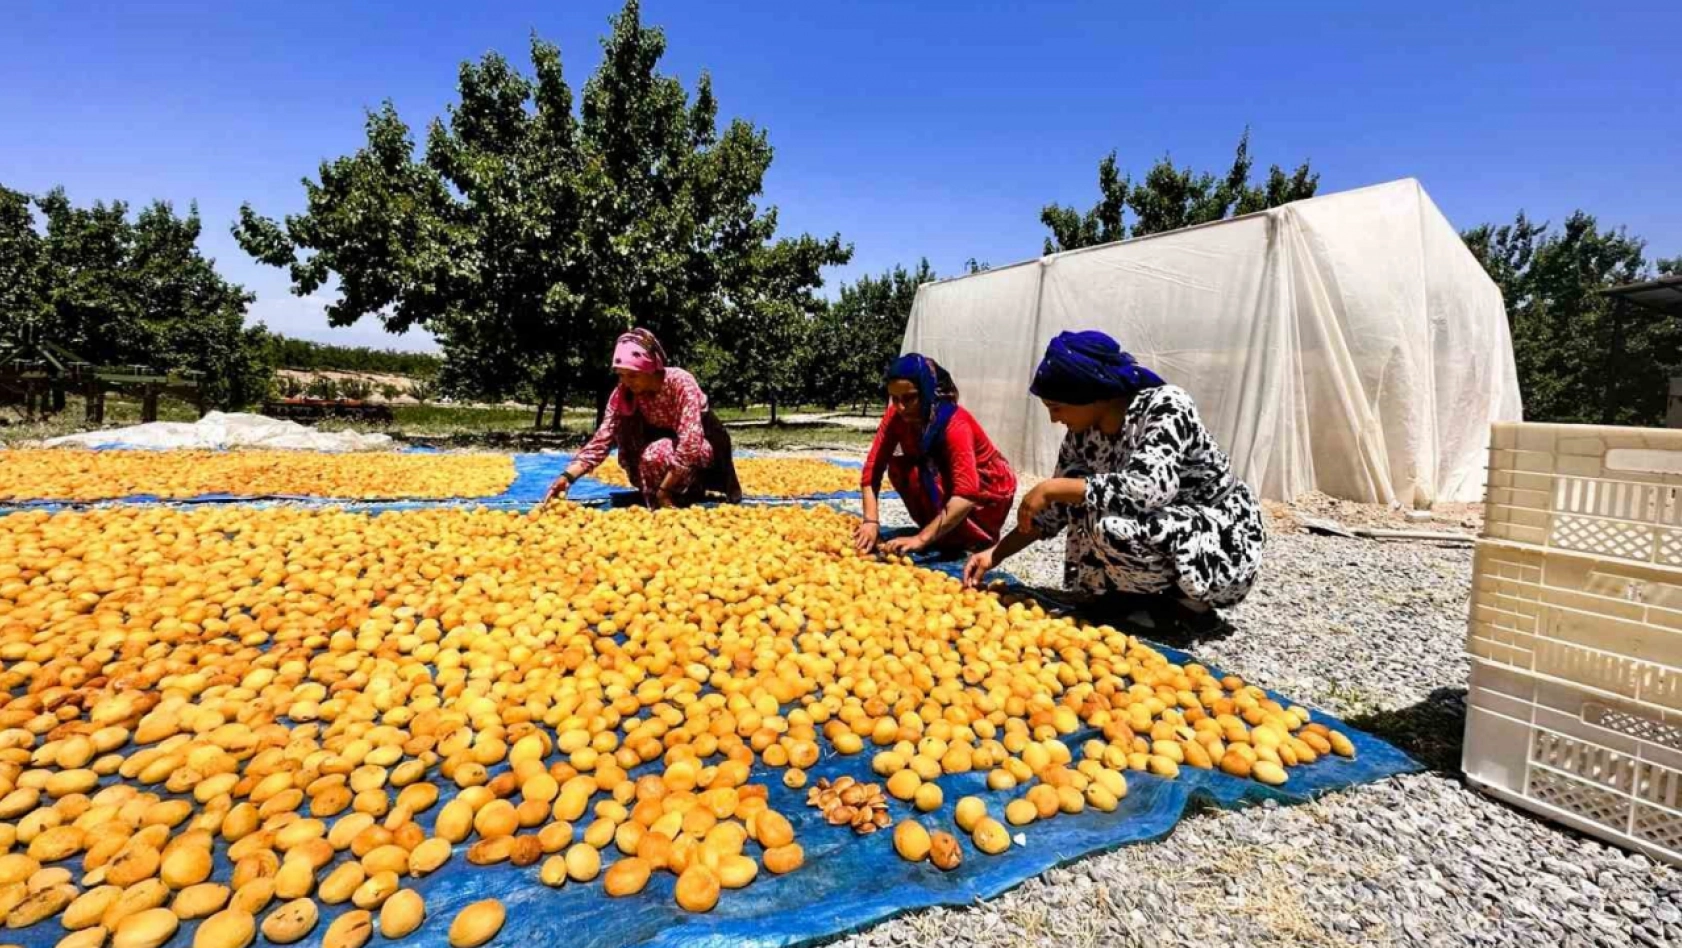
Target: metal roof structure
[(1663, 294)]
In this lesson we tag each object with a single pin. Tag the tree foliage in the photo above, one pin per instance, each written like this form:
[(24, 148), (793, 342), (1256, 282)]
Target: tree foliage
[(528, 233), (1168, 198), (1581, 357), (288, 353), (861, 333), (116, 289)]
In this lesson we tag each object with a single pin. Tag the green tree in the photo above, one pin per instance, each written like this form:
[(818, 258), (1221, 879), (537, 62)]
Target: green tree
[(1169, 198), (1581, 357), (23, 301), (355, 388), (322, 387), (861, 333), (527, 235), (121, 290), (288, 386), (285, 352)]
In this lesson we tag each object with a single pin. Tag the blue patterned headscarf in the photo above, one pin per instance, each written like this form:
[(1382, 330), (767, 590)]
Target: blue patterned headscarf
[(1080, 368), (937, 401)]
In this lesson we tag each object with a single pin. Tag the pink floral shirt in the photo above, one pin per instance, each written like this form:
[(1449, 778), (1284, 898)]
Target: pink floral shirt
[(677, 406)]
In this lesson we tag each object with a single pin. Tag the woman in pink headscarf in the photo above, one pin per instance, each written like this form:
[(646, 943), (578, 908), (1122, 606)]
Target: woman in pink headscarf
[(670, 443)]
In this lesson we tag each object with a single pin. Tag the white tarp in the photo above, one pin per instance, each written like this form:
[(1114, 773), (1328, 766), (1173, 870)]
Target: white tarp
[(1349, 344), (221, 430)]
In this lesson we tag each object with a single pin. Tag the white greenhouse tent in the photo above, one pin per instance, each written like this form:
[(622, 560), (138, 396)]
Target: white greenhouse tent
[(1349, 343)]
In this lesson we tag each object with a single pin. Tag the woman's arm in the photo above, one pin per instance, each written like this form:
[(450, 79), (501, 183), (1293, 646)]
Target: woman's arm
[(869, 529), (958, 453), (870, 481), (1151, 476), (979, 565), (956, 511), (593, 453)]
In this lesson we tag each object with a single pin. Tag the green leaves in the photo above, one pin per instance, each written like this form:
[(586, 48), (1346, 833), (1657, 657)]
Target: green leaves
[(526, 236), (121, 290), (1169, 198), (1581, 357)]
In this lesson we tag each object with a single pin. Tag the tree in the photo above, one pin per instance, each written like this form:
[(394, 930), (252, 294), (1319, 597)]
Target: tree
[(861, 333), (322, 387), (288, 353), (526, 235), (117, 290), (23, 301), (355, 388), (1169, 198), (1581, 357), (425, 390), (288, 386)]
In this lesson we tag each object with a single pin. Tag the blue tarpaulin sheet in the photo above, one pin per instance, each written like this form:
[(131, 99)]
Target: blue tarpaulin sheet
[(847, 882), (533, 473)]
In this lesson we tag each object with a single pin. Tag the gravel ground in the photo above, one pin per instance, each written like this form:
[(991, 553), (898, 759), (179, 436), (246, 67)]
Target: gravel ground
[(1373, 633)]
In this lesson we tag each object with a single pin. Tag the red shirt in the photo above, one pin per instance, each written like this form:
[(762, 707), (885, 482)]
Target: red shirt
[(972, 468)]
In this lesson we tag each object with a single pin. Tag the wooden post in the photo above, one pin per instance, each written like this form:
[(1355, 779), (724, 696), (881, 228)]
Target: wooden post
[(95, 408), (149, 404)]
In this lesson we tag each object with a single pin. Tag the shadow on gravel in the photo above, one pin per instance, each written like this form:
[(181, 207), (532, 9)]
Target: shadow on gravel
[(1157, 618), (1430, 731)]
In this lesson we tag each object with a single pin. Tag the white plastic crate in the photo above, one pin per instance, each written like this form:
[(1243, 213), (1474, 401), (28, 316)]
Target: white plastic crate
[(1611, 627), (1605, 767), (1574, 707), (1612, 492)]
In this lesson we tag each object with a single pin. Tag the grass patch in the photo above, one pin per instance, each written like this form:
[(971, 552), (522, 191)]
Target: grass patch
[(119, 412), (800, 438)]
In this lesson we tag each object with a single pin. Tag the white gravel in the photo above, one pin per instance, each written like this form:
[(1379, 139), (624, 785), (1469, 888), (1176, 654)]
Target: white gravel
[(1374, 633)]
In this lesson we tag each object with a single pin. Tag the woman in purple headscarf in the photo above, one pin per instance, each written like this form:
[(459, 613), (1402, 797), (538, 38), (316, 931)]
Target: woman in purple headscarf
[(1148, 497)]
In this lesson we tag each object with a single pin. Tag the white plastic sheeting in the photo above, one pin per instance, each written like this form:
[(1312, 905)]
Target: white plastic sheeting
[(224, 430), (1348, 344)]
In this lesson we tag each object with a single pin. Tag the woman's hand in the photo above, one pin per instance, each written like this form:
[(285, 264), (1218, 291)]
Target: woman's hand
[(1033, 504), (865, 536), (904, 546), (559, 489), (1057, 490), (977, 567), (663, 499)]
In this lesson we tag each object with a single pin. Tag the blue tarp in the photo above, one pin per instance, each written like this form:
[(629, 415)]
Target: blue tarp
[(533, 473), (848, 882)]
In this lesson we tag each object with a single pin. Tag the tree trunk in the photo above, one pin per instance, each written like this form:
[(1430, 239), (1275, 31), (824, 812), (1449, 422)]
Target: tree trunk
[(773, 411), (555, 421), (1614, 360), (542, 403)]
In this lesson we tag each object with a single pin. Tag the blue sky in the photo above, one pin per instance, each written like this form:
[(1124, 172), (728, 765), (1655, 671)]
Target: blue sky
[(914, 129)]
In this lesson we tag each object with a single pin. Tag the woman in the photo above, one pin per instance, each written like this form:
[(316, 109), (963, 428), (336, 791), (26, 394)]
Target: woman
[(957, 487), (1149, 499), (671, 445)]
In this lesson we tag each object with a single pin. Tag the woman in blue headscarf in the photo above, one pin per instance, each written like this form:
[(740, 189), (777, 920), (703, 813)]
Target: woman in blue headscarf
[(956, 486), (1148, 497)]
